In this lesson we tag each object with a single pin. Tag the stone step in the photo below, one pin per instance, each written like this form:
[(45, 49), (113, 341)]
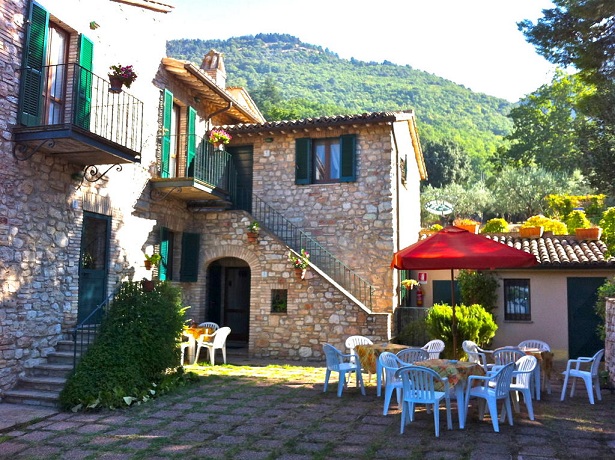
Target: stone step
[(61, 357), (32, 397), (41, 383), (51, 370)]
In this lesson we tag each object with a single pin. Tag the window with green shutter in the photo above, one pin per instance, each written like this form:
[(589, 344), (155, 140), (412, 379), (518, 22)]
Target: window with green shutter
[(191, 141), (325, 160), (189, 270), (165, 269), (167, 113), (31, 90)]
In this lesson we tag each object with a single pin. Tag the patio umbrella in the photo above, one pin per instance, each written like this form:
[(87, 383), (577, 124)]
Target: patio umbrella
[(455, 248)]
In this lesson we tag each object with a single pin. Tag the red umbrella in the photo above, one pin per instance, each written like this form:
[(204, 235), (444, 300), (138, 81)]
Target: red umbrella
[(456, 248)]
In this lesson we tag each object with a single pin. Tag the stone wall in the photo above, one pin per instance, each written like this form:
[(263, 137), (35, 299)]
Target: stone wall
[(609, 352)]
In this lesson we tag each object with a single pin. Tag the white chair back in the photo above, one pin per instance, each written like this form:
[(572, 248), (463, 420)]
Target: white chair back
[(539, 344), (412, 355), (434, 348), (220, 336), (209, 325)]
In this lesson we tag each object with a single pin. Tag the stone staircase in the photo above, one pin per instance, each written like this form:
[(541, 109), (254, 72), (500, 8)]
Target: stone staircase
[(42, 384)]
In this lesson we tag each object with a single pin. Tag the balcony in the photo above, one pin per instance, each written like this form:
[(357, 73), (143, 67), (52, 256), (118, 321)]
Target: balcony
[(68, 112), (205, 179)]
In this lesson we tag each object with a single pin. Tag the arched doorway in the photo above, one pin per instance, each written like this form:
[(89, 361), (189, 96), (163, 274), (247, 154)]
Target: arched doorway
[(228, 288)]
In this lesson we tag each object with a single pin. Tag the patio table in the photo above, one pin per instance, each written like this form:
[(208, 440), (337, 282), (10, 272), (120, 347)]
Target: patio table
[(368, 356), (457, 373)]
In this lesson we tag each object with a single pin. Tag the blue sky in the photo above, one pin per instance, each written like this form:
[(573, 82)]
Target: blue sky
[(471, 42)]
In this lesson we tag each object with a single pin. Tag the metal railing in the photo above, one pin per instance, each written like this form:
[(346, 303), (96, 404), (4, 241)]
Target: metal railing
[(297, 239), (70, 94), (85, 332)]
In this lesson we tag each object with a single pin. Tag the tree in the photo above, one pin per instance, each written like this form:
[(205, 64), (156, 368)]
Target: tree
[(581, 33), (545, 125), (446, 163)]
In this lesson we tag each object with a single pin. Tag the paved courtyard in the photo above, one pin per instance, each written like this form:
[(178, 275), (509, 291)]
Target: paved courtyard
[(255, 412)]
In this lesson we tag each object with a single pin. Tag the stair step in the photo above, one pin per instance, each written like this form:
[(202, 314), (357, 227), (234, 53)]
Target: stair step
[(61, 357), (51, 370), (32, 397), (41, 383)]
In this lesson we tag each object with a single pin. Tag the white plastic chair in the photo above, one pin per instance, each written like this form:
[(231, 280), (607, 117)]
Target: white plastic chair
[(539, 344), (340, 362), (494, 387), (218, 343), (412, 355), (183, 345), (419, 388), (475, 353), (522, 383), (434, 348), (505, 355), (355, 340), (209, 325), (390, 363), (590, 377)]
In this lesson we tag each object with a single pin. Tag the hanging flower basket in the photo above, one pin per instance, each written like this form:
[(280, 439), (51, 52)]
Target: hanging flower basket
[(115, 84)]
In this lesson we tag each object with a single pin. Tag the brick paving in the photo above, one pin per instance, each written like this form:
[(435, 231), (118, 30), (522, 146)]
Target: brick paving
[(280, 412)]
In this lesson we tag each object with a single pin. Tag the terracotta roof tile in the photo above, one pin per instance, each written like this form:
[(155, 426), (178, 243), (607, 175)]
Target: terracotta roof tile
[(559, 250)]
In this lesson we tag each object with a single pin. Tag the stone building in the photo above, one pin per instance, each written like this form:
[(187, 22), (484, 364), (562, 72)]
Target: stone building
[(93, 177)]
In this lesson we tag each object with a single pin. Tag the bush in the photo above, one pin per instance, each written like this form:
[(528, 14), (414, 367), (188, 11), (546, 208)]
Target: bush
[(412, 334), (604, 291), (608, 229), (550, 225), (478, 288), (497, 225), (135, 353), (577, 219), (473, 323)]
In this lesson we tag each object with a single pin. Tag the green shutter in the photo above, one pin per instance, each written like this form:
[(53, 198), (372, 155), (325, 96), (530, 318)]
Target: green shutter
[(31, 90), (303, 161), (164, 254), (84, 84), (167, 111), (189, 270), (348, 147), (191, 142)]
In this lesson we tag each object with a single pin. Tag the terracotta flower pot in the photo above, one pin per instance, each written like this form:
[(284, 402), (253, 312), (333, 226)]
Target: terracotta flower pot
[(473, 228), (115, 84), (148, 265), (252, 236), (531, 232), (593, 233), (300, 273)]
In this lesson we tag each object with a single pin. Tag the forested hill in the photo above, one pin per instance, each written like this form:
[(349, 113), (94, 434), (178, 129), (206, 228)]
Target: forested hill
[(289, 79)]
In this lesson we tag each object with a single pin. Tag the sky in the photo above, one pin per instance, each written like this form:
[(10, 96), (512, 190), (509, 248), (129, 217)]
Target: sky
[(474, 43)]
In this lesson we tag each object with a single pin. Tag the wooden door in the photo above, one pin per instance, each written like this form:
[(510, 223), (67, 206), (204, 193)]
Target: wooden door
[(237, 302), (582, 318)]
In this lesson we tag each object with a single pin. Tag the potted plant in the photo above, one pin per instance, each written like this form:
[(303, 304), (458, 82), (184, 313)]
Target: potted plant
[(121, 75), (470, 225), (300, 262), (253, 230), (218, 137), (409, 283), (152, 261)]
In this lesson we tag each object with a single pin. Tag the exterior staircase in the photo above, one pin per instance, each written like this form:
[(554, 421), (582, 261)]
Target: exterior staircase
[(42, 384)]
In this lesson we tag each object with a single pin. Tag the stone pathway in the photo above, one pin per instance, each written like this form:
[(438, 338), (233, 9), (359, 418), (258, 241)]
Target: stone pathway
[(280, 412)]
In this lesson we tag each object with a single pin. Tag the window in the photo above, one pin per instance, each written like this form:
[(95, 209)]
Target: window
[(165, 269), (279, 299), (45, 70), (178, 150), (517, 300), (328, 160)]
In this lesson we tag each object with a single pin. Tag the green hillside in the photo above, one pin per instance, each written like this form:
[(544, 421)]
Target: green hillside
[(291, 79)]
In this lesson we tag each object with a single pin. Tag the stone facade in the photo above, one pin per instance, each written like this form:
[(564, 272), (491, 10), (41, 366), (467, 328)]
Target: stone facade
[(43, 204), (609, 351)]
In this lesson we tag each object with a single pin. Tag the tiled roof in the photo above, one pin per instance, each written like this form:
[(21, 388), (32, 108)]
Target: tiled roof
[(320, 122), (561, 251)]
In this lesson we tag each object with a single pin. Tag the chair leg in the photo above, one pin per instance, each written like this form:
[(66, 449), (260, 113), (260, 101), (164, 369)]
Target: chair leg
[(589, 388), (509, 409), (224, 353), (527, 397), (360, 381), (196, 354), (327, 375), (388, 391), (493, 412), (564, 387), (436, 419), (573, 386), (212, 355), (341, 383), (449, 417), (597, 388)]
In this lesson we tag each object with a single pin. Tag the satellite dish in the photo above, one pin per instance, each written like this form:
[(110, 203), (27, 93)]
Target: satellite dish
[(439, 207)]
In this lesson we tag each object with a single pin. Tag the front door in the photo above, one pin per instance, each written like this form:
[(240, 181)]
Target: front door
[(582, 318), (93, 267), (237, 302)]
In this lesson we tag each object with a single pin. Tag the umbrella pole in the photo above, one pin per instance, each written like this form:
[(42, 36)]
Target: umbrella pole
[(454, 324)]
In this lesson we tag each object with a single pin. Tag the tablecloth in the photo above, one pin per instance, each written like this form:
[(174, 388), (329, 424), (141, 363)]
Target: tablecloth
[(368, 354)]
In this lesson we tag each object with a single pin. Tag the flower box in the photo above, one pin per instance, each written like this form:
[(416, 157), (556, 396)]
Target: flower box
[(472, 228), (593, 233), (531, 232)]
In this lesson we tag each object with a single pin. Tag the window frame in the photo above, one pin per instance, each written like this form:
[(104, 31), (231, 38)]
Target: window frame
[(516, 285), (305, 160)]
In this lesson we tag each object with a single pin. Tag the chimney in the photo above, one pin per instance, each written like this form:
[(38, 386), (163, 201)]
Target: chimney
[(213, 65)]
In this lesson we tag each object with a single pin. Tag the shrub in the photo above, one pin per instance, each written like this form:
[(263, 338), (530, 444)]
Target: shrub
[(550, 225), (478, 287), (497, 225), (473, 323), (608, 229), (412, 333), (604, 291), (135, 353), (577, 219)]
